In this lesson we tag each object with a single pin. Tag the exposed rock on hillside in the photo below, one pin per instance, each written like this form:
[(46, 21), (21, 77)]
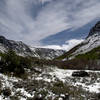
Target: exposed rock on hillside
[(25, 50)]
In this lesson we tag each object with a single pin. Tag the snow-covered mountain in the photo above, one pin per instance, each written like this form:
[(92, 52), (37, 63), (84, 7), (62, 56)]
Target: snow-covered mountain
[(92, 41), (25, 50)]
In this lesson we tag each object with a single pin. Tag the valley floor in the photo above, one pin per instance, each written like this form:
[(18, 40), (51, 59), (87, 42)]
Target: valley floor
[(50, 83)]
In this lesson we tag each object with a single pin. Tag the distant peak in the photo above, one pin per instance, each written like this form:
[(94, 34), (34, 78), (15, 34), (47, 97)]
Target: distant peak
[(2, 37), (95, 29)]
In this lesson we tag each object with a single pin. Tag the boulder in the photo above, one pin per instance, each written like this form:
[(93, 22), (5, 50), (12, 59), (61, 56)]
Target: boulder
[(80, 74)]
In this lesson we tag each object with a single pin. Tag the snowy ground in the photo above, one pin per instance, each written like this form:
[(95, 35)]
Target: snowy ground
[(62, 75), (46, 79)]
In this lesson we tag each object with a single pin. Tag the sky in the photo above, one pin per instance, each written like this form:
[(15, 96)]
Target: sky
[(58, 24)]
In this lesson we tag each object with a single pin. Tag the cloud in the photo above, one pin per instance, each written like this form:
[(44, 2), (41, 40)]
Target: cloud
[(34, 20), (67, 46)]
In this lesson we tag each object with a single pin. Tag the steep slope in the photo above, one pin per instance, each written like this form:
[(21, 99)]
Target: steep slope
[(91, 42), (25, 50), (47, 53)]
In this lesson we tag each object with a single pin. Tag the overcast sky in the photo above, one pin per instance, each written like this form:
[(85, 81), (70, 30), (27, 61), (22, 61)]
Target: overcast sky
[(32, 21)]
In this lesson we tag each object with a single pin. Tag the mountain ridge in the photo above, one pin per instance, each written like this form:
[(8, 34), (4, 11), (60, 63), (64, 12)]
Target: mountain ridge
[(24, 50), (91, 41), (95, 29)]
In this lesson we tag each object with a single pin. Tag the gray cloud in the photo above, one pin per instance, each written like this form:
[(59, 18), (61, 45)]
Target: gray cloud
[(34, 20)]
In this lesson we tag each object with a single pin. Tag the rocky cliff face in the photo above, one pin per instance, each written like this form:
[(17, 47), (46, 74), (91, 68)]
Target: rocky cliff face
[(95, 29), (25, 50), (19, 46)]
